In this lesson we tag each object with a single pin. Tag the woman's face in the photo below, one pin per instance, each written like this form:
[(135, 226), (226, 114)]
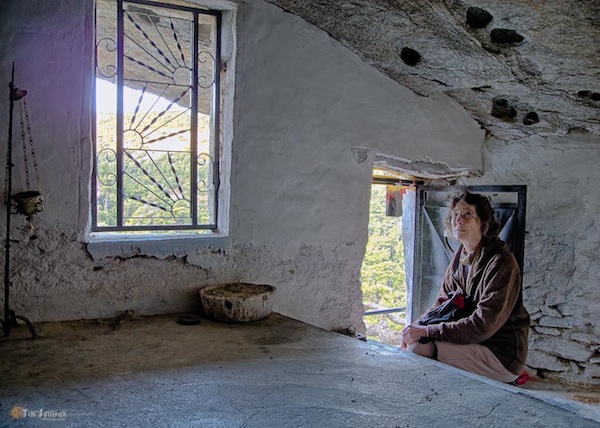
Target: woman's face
[(466, 225)]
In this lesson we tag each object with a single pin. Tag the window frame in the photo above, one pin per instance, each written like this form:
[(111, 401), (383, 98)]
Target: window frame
[(121, 231)]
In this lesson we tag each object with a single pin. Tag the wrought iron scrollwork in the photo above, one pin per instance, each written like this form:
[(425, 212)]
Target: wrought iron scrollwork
[(205, 161), (109, 178), (206, 81), (108, 71)]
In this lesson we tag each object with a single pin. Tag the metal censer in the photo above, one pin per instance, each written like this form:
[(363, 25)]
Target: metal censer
[(29, 203)]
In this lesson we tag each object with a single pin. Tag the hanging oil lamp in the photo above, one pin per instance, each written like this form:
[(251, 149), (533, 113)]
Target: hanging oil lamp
[(33, 206), (29, 202)]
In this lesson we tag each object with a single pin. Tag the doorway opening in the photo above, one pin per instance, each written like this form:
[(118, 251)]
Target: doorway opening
[(408, 249), (385, 270)]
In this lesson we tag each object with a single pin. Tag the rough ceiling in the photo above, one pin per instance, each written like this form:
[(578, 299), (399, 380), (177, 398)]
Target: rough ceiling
[(538, 75)]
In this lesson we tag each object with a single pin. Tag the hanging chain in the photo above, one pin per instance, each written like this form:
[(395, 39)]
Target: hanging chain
[(24, 112), (8, 161), (24, 144)]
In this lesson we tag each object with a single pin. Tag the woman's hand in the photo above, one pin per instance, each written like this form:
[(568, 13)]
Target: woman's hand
[(412, 334)]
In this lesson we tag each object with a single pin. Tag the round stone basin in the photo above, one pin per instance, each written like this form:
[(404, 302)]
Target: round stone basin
[(237, 302)]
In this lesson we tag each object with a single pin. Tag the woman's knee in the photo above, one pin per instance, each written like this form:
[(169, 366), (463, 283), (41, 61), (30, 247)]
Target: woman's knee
[(424, 349)]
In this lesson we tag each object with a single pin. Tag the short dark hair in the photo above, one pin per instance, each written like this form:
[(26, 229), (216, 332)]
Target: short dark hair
[(490, 227)]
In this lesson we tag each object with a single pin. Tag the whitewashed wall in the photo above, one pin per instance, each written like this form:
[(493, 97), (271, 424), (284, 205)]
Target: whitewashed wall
[(309, 117)]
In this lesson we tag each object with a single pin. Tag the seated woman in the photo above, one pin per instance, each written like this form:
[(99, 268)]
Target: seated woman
[(492, 341)]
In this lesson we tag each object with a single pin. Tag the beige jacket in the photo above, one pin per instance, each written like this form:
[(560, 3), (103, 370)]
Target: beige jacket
[(500, 321)]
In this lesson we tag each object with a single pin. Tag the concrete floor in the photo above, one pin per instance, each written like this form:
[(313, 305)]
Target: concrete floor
[(154, 372)]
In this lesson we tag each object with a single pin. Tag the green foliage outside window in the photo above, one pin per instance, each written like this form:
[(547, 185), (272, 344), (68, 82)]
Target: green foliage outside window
[(382, 275), (172, 174)]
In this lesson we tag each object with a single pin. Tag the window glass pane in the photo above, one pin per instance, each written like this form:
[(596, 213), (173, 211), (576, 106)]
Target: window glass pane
[(156, 118)]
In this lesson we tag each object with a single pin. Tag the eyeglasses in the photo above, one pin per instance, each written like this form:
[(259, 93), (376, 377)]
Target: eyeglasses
[(466, 215)]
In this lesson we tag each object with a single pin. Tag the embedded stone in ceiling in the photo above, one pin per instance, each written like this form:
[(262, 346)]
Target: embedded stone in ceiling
[(534, 68)]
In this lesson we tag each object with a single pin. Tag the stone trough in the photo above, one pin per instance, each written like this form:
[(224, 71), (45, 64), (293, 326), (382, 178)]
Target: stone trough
[(237, 302)]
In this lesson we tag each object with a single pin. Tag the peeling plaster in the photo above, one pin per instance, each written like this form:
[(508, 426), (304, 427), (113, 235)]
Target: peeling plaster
[(423, 168)]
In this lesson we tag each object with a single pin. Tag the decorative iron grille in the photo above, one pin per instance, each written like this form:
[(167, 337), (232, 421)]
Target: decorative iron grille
[(156, 143)]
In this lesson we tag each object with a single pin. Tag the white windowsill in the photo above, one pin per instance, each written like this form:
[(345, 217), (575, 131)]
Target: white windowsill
[(102, 246)]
